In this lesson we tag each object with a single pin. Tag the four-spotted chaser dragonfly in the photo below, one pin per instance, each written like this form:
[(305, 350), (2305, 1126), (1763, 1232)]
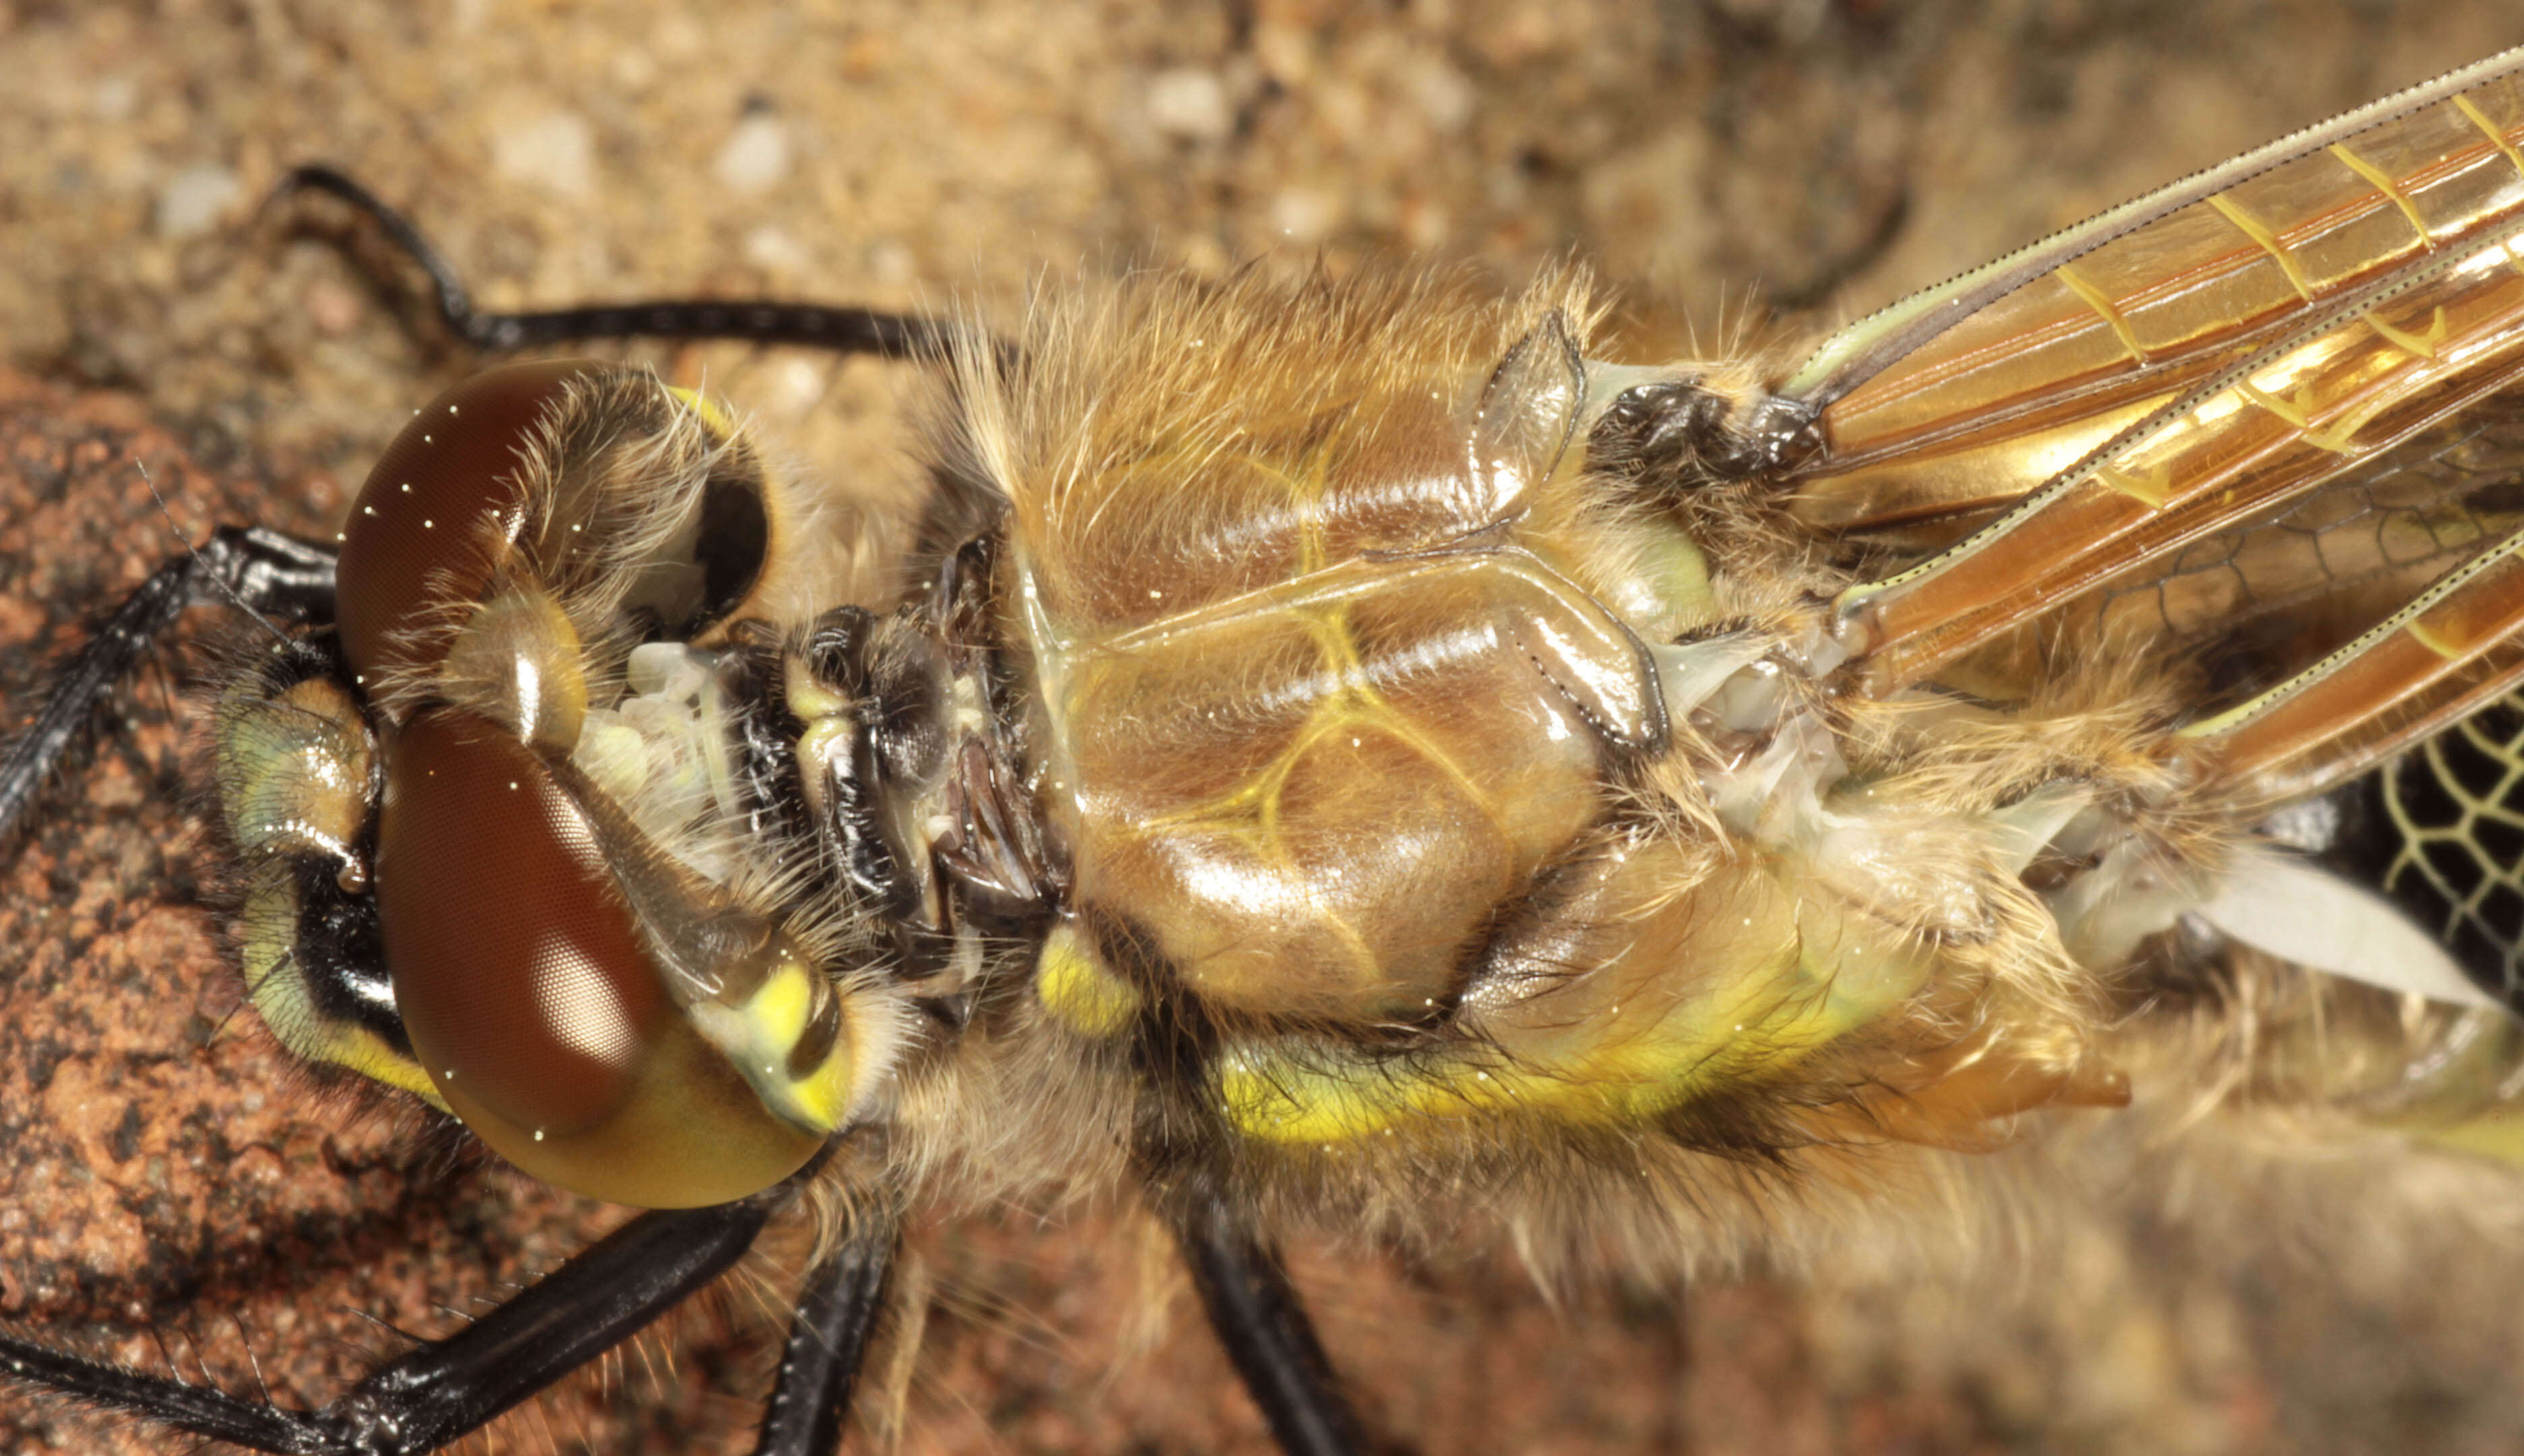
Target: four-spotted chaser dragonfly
[(1346, 753)]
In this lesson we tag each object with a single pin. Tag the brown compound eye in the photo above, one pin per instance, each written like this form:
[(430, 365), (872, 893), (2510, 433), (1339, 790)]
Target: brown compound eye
[(428, 526), (539, 1011)]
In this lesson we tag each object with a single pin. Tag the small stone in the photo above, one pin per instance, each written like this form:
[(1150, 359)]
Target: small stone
[(1302, 214), (115, 98), (333, 308), (891, 264), (556, 151), (756, 154), (195, 200), (1190, 103), (773, 250)]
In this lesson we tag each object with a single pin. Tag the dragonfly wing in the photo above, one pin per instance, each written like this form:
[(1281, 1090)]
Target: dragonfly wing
[(1965, 398), (2271, 413), (2268, 423)]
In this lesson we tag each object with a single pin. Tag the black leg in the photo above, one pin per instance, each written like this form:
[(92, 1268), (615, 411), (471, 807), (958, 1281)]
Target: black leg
[(828, 1338), (262, 572), (815, 325), (1259, 1317), (436, 1393)]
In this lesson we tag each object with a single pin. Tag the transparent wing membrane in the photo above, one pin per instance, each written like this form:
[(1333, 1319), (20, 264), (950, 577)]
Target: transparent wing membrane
[(2158, 293), (2442, 833), (2377, 370), (2301, 581), (2272, 418)]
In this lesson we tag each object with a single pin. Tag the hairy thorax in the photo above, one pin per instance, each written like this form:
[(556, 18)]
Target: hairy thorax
[(1436, 775)]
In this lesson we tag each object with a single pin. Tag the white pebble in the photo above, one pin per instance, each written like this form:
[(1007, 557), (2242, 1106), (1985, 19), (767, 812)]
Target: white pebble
[(556, 151), (195, 199), (1190, 103), (756, 155)]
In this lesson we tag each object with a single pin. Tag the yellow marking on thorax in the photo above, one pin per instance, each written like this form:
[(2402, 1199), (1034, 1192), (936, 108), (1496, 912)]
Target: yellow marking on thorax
[(1814, 971), (2259, 232), (2096, 299), (1359, 701), (2384, 183), (1250, 811), (2489, 129), (1079, 990), (1776, 1015), (1354, 702), (1304, 481)]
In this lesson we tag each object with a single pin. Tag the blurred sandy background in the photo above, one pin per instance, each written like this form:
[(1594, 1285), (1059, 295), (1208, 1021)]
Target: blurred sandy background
[(1792, 161)]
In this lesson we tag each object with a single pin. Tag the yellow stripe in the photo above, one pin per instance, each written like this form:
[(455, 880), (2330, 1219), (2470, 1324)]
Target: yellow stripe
[(2489, 129), (2150, 489), (2095, 299), (2384, 183), (2258, 231), (2298, 418), (2444, 647), (2339, 439), (2417, 346)]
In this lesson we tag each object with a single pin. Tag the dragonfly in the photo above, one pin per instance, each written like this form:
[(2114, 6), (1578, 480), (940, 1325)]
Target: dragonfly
[(1349, 755)]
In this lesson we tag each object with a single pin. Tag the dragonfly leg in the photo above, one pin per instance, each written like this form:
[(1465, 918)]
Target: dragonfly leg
[(1269, 1338), (262, 572), (842, 330), (441, 1390), (828, 1340)]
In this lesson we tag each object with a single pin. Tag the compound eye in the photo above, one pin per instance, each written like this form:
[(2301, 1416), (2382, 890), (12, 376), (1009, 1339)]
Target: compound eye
[(530, 996), (443, 502)]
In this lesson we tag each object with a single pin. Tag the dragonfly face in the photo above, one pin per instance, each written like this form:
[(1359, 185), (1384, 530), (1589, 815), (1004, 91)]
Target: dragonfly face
[(1362, 759)]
